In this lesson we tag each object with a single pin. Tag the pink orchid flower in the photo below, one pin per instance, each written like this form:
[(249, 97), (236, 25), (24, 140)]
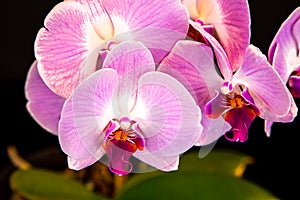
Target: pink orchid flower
[(75, 38), (128, 109), (226, 20), (284, 56), (255, 89)]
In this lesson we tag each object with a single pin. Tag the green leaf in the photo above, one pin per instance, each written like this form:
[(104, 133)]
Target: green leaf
[(216, 176), (36, 184), (224, 162), (191, 185)]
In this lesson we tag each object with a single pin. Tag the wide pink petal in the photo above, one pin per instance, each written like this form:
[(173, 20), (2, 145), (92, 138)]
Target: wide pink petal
[(69, 139), (131, 60), (265, 85), (284, 49), (62, 46), (162, 163), (78, 164), (43, 105), (145, 21), (86, 113), (222, 59), (231, 21), (289, 117), (167, 115), (149, 14), (149, 23), (192, 64)]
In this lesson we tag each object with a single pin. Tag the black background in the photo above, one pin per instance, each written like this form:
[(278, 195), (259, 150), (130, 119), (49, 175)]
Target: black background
[(276, 157)]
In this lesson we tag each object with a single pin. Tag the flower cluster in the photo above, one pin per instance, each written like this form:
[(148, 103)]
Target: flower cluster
[(150, 79)]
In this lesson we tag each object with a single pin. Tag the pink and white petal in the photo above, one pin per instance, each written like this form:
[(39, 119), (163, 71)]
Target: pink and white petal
[(148, 22), (213, 129), (192, 64), (264, 84), (100, 18), (43, 105), (222, 59), (78, 164), (159, 162), (167, 115), (69, 139), (280, 63), (131, 60), (146, 14), (63, 45), (231, 20), (87, 112), (284, 49), (158, 40), (289, 117)]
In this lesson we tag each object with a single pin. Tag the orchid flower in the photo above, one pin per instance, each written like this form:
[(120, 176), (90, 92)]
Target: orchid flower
[(128, 109), (255, 89), (284, 56), (226, 20), (75, 39)]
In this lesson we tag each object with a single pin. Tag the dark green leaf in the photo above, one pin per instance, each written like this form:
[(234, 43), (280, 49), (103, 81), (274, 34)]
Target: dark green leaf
[(217, 161), (191, 185), (216, 176), (36, 184)]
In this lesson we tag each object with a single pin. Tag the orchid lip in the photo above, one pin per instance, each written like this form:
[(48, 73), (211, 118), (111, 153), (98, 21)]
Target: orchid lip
[(120, 143)]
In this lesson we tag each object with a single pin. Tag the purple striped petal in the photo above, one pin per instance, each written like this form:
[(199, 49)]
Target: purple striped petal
[(192, 64), (145, 21), (166, 114), (231, 22), (149, 14), (131, 60), (140, 21), (69, 139), (265, 85), (86, 113), (222, 59), (129, 57), (289, 117), (43, 105), (62, 46), (284, 49)]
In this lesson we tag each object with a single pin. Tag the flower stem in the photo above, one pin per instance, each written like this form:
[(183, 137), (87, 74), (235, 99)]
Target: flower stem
[(119, 182), (16, 159)]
